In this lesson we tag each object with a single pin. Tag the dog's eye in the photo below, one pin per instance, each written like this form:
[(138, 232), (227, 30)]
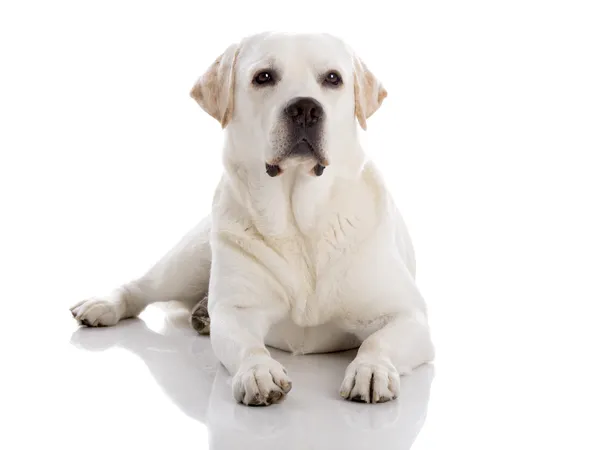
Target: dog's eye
[(264, 77), (333, 78)]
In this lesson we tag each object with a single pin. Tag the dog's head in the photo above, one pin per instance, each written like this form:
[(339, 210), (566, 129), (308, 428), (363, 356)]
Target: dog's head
[(290, 99)]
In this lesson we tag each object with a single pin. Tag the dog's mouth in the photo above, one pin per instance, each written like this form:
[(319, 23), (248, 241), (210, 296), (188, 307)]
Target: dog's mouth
[(302, 150), (303, 147)]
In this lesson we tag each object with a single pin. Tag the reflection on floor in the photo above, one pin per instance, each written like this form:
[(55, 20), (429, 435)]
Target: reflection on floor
[(313, 416)]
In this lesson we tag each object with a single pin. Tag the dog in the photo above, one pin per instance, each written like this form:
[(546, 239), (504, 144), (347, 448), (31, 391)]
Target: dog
[(304, 249)]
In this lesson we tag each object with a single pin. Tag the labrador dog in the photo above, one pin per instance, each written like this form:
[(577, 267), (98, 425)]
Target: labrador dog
[(304, 250)]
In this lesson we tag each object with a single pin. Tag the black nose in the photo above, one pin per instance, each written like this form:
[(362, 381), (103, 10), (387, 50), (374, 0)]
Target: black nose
[(304, 111)]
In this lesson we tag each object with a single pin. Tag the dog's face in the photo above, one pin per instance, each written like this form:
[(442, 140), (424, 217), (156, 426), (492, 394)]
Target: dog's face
[(290, 99)]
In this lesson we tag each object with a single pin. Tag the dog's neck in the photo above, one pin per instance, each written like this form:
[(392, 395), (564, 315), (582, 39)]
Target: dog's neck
[(296, 201)]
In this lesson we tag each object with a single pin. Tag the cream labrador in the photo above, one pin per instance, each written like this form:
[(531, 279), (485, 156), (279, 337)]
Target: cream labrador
[(305, 250)]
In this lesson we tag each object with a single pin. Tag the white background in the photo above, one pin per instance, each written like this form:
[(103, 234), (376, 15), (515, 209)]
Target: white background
[(489, 140)]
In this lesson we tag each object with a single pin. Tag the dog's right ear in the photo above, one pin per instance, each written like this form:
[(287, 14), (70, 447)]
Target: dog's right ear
[(214, 90)]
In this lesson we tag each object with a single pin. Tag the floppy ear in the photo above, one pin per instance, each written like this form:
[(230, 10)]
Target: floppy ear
[(214, 90), (368, 93)]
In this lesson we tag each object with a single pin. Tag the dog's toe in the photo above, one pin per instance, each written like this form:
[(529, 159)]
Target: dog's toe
[(370, 382), (96, 312), (261, 384)]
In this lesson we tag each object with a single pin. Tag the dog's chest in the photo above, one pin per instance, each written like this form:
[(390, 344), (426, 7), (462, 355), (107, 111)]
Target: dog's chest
[(311, 242), (315, 273)]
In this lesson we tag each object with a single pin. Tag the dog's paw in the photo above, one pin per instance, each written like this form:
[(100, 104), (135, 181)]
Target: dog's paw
[(261, 383), (97, 312), (370, 381), (200, 319)]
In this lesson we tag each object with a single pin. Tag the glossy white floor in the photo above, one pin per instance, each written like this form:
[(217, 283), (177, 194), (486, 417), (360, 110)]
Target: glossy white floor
[(143, 371), (154, 383)]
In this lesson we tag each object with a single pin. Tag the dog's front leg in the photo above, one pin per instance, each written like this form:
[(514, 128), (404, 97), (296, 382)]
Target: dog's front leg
[(397, 348), (244, 302), (237, 336)]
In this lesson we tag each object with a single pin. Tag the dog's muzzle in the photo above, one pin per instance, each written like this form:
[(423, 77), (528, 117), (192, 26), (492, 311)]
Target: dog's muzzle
[(304, 118)]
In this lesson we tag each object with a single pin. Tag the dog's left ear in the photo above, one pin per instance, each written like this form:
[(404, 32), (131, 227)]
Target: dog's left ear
[(214, 90), (368, 93)]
